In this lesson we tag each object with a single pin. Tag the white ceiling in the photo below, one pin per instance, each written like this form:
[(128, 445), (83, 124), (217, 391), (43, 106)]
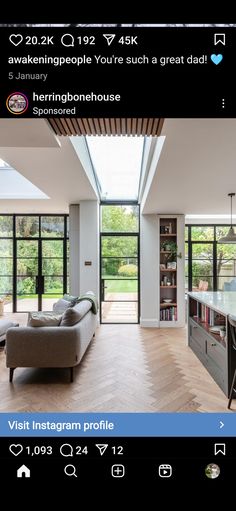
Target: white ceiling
[(54, 168), (196, 169), (195, 172), (27, 133)]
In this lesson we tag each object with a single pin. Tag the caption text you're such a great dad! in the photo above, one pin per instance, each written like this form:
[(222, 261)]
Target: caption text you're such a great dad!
[(145, 59)]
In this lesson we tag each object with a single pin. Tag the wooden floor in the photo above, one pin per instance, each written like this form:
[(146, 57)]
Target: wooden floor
[(126, 369)]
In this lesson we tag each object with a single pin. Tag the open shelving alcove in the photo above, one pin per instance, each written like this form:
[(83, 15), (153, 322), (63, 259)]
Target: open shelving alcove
[(171, 270)]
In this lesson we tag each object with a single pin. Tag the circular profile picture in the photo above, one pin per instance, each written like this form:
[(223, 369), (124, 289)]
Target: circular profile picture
[(17, 103), (212, 471)]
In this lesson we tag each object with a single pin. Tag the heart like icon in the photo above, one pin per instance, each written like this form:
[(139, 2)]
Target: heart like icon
[(16, 39), (16, 449), (216, 59)]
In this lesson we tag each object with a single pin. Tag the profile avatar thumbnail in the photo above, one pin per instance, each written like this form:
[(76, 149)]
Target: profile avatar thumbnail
[(17, 103), (212, 471)]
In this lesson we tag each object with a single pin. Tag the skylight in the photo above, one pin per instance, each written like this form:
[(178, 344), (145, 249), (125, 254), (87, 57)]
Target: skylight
[(117, 162), (15, 186)]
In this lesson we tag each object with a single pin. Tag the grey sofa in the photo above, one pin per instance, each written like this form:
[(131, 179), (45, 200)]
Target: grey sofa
[(50, 346)]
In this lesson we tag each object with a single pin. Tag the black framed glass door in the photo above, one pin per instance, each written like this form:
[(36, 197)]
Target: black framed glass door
[(39, 273), (34, 257), (52, 272), (119, 278), (27, 275)]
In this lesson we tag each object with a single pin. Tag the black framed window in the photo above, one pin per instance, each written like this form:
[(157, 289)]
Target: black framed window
[(209, 265)]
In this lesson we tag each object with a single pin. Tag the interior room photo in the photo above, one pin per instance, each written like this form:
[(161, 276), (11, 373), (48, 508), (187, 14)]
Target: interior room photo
[(117, 265)]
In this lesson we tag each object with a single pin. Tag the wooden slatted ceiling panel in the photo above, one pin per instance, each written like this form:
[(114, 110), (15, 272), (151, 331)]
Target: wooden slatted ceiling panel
[(105, 126), (118, 126)]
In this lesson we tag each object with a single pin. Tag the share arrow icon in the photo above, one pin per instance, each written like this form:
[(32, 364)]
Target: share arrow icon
[(102, 448), (109, 38)]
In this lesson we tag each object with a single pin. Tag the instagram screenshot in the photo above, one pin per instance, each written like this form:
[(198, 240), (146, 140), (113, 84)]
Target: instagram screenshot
[(117, 253)]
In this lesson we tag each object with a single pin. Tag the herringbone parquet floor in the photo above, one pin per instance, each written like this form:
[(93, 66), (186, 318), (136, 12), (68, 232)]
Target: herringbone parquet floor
[(126, 369)]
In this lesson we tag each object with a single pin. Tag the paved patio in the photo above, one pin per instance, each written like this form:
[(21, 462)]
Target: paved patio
[(30, 305), (112, 312)]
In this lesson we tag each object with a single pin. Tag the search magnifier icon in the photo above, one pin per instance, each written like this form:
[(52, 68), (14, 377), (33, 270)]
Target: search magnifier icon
[(70, 470), (67, 40)]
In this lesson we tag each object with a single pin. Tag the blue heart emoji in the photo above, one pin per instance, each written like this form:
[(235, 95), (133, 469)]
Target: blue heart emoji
[(216, 59)]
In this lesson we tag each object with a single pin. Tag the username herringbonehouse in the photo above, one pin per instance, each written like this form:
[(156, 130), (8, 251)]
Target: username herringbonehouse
[(67, 97)]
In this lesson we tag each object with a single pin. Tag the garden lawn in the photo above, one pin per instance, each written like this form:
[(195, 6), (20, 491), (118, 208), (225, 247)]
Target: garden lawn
[(121, 286)]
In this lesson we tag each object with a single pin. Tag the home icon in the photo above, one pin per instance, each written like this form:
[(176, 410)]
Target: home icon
[(23, 471)]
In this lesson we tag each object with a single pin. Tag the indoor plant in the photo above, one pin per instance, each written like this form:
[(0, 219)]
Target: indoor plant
[(172, 248)]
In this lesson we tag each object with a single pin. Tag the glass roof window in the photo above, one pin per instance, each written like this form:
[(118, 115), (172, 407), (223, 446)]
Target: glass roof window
[(117, 162)]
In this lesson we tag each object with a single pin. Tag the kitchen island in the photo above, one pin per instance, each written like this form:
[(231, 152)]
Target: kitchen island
[(209, 334)]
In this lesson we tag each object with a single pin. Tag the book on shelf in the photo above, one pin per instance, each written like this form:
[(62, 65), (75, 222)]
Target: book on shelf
[(217, 329), (168, 314), (210, 317), (205, 314)]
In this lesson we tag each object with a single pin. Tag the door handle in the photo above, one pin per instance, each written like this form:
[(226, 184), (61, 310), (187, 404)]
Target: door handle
[(36, 284), (103, 290), (42, 286)]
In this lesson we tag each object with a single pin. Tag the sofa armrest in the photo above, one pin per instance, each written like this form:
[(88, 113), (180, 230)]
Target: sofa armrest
[(42, 347)]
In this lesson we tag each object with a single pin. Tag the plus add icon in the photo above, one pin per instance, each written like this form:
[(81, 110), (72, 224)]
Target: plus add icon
[(117, 470)]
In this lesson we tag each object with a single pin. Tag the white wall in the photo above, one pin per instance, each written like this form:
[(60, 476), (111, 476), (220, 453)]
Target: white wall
[(74, 213), (89, 246), (81, 149), (152, 170), (84, 246), (149, 255)]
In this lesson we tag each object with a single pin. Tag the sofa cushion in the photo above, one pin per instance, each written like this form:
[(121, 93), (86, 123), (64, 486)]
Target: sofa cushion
[(92, 299), (61, 305), (82, 307), (73, 315), (37, 319), (71, 299)]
